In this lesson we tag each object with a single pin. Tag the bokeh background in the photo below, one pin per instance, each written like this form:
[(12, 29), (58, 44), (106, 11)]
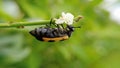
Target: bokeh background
[(95, 45)]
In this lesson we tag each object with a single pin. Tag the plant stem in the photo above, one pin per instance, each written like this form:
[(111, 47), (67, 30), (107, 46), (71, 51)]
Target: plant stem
[(18, 24)]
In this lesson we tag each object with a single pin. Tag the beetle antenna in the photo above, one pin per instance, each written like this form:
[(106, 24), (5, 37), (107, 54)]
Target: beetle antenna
[(77, 27)]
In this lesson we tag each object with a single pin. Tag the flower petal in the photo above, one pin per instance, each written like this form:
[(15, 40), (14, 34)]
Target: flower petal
[(63, 14), (59, 21), (69, 18)]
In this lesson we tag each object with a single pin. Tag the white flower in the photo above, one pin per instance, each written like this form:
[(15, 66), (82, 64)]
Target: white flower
[(66, 18), (59, 21)]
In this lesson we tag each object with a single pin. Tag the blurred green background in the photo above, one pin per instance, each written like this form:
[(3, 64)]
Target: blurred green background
[(95, 45)]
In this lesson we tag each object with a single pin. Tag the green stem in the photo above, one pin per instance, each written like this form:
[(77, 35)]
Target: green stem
[(18, 24)]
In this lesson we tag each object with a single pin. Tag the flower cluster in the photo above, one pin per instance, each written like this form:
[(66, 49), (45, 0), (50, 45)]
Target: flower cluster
[(65, 18)]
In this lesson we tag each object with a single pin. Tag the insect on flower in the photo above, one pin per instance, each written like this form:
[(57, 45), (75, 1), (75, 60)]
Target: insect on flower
[(55, 31)]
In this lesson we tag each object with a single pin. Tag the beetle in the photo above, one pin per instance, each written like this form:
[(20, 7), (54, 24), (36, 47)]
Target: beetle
[(50, 34)]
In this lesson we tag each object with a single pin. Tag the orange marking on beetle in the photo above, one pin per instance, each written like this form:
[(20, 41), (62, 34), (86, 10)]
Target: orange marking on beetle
[(55, 39)]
